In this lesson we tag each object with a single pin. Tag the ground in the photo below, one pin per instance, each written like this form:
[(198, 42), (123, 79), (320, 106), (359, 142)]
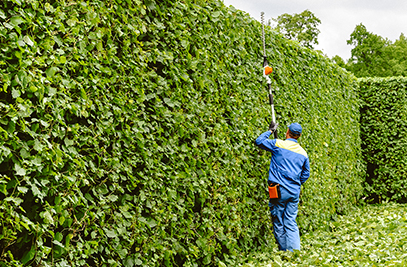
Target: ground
[(373, 235)]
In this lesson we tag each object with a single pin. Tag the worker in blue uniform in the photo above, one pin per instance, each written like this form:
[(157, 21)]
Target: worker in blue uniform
[(290, 168)]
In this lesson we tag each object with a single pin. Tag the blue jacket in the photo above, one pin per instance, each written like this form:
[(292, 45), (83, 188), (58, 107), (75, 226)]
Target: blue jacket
[(289, 164)]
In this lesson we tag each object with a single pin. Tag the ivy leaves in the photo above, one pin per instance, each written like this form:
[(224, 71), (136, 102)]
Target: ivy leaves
[(370, 236)]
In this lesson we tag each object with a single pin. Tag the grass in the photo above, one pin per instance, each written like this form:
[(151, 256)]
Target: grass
[(374, 235)]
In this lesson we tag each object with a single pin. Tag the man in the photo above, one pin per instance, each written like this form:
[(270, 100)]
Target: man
[(289, 167)]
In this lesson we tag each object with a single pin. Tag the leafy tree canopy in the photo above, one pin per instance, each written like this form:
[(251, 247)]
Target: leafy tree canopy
[(375, 56), (300, 27)]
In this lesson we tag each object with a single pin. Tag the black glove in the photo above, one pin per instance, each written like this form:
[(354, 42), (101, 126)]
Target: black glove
[(273, 126)]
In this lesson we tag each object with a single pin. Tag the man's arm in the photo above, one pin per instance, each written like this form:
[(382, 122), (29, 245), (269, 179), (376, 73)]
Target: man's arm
[(264, 143), (305, 171)]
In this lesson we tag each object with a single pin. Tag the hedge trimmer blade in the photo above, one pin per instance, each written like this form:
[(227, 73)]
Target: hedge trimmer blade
[(267, 70)]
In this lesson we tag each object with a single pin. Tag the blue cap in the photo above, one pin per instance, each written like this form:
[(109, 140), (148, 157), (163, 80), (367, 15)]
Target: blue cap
[(295, 128)]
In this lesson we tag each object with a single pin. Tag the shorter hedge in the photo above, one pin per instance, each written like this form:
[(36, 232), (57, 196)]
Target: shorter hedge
[(384, 140)]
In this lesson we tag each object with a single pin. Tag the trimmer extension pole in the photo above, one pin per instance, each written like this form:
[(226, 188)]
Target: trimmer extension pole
[(266, 71), (273, 115), (271, 101)]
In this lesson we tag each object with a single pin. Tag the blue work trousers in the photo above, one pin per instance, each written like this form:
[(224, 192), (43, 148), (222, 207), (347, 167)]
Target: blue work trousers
[(283, 213)]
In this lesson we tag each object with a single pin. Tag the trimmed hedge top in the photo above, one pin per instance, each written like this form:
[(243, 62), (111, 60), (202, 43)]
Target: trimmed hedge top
[(127, 132)]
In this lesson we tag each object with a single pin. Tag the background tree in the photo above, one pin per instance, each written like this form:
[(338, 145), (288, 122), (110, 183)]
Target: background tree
[(300, 27), (374, 56), (367, 57), (397, 54)]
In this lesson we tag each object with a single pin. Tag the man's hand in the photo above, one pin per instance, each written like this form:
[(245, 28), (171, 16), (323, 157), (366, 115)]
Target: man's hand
[(273, 126)]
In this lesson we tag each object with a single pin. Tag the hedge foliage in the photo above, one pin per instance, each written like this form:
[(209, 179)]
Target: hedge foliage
[(384, 142), (127, 132)]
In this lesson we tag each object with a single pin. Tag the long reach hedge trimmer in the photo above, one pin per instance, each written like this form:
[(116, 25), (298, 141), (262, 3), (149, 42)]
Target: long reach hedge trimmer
[(267, 70)]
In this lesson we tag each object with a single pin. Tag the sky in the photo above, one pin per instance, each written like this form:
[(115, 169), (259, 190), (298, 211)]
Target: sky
[(386, 18)]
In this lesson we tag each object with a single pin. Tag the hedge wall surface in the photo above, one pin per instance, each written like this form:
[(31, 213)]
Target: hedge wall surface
[(384, 142), (127, 132)]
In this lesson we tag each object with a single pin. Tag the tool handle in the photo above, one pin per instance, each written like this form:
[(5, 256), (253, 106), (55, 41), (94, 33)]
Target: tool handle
[(273, 116), (271, 102), (265, 62), (275, 134)]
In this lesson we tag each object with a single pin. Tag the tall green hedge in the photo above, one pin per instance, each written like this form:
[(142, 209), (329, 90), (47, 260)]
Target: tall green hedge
[(127, 132), (384, 141)]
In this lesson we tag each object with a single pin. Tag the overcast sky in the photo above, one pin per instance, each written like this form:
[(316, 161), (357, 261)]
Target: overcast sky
[(387, 18)]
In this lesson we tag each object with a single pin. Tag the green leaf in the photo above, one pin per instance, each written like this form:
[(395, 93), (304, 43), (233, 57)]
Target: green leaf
[(17, 201), (3, 187), (51, 71), (38, 146), (62, 59), (110, 233), (68, 142), (35, 190), (28, 40), (151, 223), (22, 189), (59, 236), (216, 14), (19, 170), (37, 161), (24, 153), (58, 243), (15, 93), (128, 262), (46, 215), (16, 20), (28, 256)]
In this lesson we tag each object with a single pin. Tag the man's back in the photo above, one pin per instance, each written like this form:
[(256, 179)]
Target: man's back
[(289, 165)]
